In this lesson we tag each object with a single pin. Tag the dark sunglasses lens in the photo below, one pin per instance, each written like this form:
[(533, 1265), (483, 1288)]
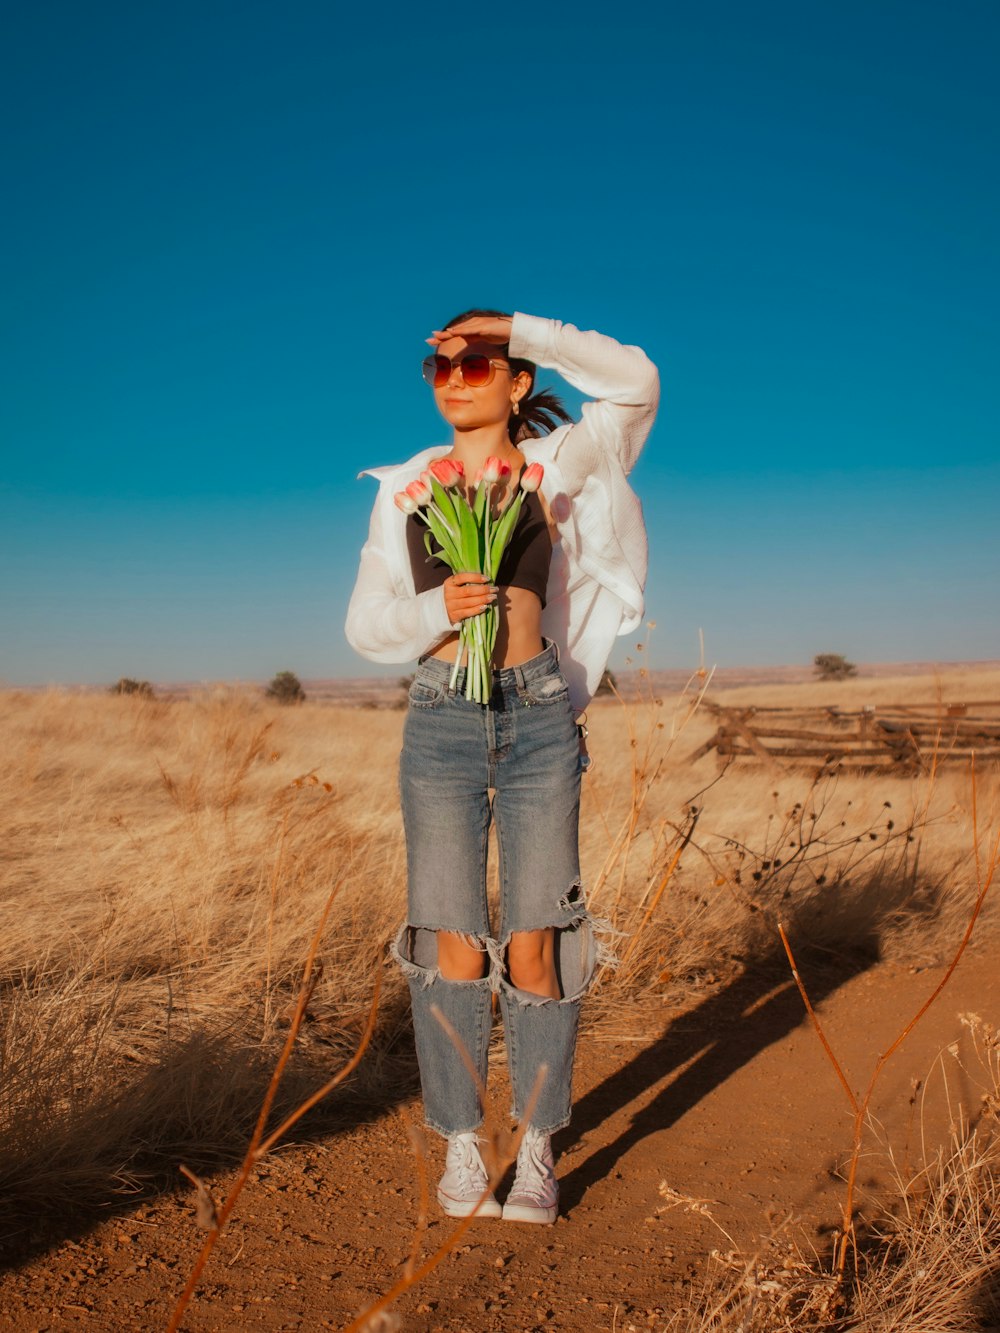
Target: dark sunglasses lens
[(476, 370), (436, 369)]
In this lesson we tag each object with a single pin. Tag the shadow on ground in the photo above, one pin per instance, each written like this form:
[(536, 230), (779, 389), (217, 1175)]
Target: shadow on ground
[(95, 1151), (708, 1043)]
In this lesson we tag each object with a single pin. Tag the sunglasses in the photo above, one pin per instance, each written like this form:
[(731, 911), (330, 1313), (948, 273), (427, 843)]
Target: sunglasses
[(477, 369)]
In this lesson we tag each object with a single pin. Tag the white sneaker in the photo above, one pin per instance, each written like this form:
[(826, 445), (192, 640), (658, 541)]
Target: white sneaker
[(465, 1180), (534, 1195)]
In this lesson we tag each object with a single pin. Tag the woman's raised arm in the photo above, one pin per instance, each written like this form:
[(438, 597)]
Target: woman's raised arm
[(623, 382)]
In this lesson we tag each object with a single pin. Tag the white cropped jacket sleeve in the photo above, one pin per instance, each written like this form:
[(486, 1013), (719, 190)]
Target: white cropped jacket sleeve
[(386, 620), (596, 586), (623, 382)]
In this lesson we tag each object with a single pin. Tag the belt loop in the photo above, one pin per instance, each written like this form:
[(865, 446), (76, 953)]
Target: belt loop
[(522, 691)]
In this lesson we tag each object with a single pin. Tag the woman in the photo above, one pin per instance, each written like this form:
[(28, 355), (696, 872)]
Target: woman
[(570, 581)]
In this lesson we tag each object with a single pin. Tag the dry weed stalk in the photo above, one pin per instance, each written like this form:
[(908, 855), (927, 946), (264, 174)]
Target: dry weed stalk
[(649, 748), (272, 904), (931, 1267), (682, 840), (806, 841), (860, 1102), (501, 1150), (216, 1217), (690, 1204), (419, 1145), (650, 744)]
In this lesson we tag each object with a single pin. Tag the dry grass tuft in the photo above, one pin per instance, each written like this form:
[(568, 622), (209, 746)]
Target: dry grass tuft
[(164, 868), (930, 1265)]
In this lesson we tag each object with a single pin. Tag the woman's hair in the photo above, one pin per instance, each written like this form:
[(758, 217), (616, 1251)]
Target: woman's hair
[(538, 413)]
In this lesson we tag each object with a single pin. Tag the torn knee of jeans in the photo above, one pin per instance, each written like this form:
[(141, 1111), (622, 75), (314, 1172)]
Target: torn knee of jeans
[(600, 930), (572, 901), (579, 954), (415, 949)]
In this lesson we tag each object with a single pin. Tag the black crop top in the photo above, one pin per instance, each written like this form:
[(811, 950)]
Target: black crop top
[(524, 563)]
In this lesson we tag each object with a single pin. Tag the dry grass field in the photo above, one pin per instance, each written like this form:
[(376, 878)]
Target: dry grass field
[(163, 868)]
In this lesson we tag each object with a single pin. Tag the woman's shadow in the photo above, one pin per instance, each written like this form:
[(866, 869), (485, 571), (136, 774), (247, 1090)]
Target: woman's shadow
[(709, 1044)]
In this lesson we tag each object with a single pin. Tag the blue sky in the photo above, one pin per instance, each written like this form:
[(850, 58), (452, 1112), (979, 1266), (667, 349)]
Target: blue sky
[(230, 227)]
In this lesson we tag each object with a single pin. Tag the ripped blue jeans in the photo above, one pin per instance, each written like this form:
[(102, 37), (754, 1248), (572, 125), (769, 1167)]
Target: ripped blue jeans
[(523, 745)]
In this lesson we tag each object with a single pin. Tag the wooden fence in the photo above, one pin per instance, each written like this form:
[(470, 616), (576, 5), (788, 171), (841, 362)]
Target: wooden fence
[(889, 737)]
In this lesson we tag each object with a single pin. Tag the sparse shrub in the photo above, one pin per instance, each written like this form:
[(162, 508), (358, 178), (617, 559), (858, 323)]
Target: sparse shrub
[(832, 666), (126, 685), (286, 688)]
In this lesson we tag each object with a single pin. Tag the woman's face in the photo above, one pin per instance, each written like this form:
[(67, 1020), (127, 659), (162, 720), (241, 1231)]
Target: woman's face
[(465, 407)]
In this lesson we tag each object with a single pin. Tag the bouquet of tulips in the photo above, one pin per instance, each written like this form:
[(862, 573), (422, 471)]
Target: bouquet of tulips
[(470, 539)]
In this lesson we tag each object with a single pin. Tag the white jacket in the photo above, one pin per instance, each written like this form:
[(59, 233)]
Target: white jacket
[(598, 570)]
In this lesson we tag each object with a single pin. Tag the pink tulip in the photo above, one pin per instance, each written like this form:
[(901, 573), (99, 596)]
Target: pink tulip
[(419, 492), (492, 468), (504, 471), (531, 477), (444, 471), (405, 502), (459, 466)]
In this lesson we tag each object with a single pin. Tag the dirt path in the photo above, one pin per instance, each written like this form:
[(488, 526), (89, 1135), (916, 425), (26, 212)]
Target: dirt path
[(734, 1103)]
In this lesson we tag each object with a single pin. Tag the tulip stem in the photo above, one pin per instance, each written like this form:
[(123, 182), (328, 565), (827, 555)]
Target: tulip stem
[(453, 682), (479, 680), (478, 672)]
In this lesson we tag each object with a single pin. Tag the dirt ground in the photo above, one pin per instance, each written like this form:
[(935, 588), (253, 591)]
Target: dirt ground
[(730, 1102)]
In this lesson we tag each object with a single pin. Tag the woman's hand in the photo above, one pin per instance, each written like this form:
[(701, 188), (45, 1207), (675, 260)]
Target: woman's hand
[(466, 594), (482, 328)]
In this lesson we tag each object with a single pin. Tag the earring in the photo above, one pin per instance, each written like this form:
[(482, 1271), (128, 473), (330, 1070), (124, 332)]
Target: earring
[(517, 407)]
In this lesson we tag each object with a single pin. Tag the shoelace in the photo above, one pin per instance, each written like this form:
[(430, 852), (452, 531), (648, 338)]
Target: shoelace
[(533, 1173), (470, 1168)]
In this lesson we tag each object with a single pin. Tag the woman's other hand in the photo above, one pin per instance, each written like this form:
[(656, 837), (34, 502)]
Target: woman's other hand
[(466, 594), (482, 328)]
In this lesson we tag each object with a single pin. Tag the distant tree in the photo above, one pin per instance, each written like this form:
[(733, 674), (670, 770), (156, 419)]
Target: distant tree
[(286, 688), (128, 686), (831, 666), (608, 684)]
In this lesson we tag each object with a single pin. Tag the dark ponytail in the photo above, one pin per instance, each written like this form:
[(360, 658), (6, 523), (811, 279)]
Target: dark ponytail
[(538, 413)]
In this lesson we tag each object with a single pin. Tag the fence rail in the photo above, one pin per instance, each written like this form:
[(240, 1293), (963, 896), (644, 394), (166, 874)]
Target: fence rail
[(890, 737)]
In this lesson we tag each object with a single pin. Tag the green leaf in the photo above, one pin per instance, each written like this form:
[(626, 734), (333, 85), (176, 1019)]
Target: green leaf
[(451, 553), (471, 545), (445, 536), (501, 533), (429, 548)]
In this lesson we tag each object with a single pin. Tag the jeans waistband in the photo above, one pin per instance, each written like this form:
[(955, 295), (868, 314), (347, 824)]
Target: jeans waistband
[(506, 680)]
